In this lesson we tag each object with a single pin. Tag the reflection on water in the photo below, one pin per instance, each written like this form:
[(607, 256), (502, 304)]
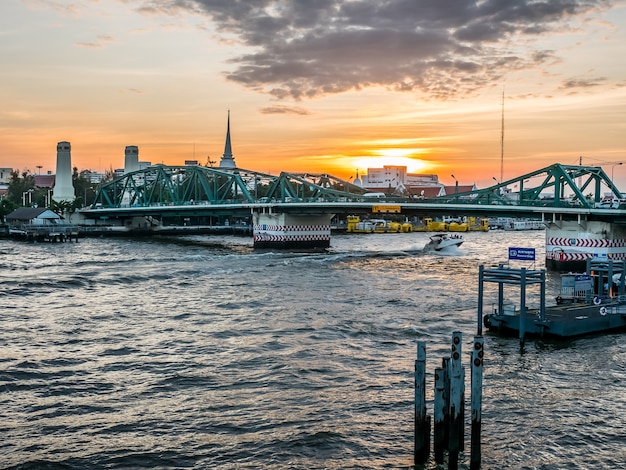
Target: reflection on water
[(203, 353)]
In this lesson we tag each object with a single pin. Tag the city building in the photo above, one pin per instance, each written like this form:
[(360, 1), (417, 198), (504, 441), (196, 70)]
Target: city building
[(5, 177), (394, 179)]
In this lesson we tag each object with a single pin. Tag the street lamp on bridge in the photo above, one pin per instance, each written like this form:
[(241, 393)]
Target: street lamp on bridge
[(601, 163), (613, 165)]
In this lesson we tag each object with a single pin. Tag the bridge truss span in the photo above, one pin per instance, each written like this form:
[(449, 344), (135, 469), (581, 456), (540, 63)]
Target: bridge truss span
[(162, 185), (556, 186)]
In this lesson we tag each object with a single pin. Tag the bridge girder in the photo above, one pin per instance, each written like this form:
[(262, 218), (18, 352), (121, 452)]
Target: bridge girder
[(180, 185), (559, 178), (311, 187)]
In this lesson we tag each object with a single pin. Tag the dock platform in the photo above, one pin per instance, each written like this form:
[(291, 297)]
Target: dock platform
[(591, 303), (562, 321), (44, 232)]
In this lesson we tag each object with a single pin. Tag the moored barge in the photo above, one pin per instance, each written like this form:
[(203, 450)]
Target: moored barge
[(589, 303)]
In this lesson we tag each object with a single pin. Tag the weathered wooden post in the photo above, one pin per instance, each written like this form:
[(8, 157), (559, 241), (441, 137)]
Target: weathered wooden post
[(439, 414), (456, 392), (445, 363), (462, 433), (522, 307), (422, 422), (476, 401), (481, 275)]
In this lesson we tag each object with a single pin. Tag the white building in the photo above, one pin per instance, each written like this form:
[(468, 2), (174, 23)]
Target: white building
[(5, 175), (393, 178)]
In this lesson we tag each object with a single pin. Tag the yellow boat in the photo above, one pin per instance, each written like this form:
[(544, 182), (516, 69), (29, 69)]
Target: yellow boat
[(478, 225), (458, 227), (471, 224), (356, 225)]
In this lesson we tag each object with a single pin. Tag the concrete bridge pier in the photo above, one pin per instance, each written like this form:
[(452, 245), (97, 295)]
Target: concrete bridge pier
[(569, 243), (284, 230)]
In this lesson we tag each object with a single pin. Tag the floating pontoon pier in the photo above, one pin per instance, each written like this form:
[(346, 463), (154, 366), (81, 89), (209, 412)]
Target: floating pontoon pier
[(589, 303), (44, 232)]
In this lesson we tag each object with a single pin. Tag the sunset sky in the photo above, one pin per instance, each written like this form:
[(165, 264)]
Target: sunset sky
[(316, 85)]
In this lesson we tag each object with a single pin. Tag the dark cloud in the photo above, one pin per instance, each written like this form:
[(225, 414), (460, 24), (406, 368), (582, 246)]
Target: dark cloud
[(443, 48), (574, 83), (284, 110)]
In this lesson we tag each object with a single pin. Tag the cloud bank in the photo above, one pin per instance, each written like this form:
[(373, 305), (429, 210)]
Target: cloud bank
[(444, 49)]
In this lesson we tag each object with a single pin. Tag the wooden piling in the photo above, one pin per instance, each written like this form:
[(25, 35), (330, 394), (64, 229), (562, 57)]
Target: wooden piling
[(445, 363), (439, 413), (449, 406), (476, 401), (456, 392), (462, 433), (522, 308), (481, 275), (422, 422)]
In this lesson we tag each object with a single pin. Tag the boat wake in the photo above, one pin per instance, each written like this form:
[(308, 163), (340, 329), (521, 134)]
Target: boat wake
[(448, 251)]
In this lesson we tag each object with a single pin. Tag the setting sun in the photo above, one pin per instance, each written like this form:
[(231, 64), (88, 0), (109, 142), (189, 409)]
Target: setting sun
[(403, 96)]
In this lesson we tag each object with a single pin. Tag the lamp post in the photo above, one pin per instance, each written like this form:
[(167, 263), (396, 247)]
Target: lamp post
[(613, 165), (497, 182), (456, 184), (601, 163)]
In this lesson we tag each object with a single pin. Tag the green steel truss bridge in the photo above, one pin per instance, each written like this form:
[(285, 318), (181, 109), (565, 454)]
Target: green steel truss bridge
[(180, 185), (162, 191)]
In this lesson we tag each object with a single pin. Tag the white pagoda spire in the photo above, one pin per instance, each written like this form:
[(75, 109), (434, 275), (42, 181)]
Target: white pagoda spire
[(227, 160)]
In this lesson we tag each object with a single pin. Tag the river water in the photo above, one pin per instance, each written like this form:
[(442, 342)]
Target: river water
[(200, 352)]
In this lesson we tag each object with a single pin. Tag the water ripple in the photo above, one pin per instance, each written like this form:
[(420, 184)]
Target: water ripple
[(202, 353)]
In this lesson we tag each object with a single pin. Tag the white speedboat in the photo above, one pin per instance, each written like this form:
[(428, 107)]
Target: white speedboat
[(441, 241)]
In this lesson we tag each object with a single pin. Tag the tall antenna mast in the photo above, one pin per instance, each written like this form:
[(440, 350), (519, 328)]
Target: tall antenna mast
[(502, 141)]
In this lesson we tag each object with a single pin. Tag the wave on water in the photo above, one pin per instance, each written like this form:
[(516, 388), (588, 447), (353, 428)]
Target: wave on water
[(204, 353)]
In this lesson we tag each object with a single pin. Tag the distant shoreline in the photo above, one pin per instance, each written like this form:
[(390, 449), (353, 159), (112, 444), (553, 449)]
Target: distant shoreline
[(86, 231)]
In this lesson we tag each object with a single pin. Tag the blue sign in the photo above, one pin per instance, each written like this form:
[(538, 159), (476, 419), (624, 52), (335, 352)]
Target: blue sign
[(524, 254)]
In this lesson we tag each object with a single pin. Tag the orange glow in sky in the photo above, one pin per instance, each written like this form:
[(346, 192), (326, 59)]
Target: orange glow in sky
[(315, 89)]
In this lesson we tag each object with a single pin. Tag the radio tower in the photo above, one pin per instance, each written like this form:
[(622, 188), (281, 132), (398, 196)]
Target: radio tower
[(502, 141)]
